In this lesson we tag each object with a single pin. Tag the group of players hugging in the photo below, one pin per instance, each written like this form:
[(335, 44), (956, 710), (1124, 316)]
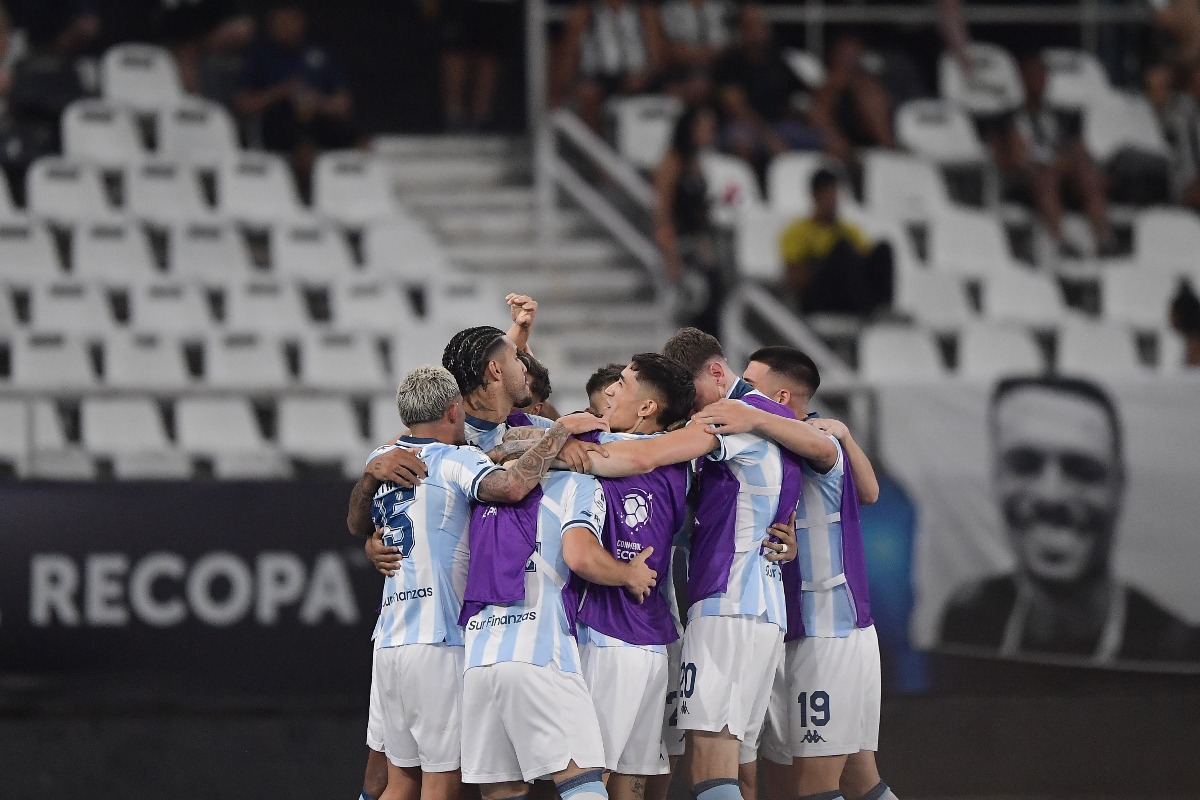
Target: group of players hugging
[(530, 629)]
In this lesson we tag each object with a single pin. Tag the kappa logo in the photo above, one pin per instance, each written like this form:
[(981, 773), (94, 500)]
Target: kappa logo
[(491, 511), (812, 737), (683, 709)]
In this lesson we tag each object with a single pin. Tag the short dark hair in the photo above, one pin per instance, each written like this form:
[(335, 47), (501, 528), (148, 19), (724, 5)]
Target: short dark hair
[(603, 378), (822, 179), (693, 348), (1074, 387), (1185, 309), (468, 353), (670, 381), (794, 364), (539, 376)]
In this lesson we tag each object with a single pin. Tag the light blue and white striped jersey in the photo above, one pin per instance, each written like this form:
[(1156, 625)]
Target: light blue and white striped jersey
[(486, 435), (828, 611), (755, 586), (422, 600), (536, 631)]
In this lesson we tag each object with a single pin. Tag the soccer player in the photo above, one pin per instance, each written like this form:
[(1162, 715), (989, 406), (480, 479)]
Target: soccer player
[(823, 722), (735, 624), (623, 645), (529, 710), (418, 643), (537, 377), (600, 380)]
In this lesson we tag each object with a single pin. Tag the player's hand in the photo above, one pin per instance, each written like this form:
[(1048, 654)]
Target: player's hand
[(582, 422), (833, 427), (523, 309), (398, 465), (641, 579), (727, 417), (785, 548), (575, 455), (385, 559)]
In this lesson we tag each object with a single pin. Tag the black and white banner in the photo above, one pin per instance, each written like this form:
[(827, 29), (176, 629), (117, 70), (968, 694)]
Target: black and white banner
[(213, 594), (1057, 521)]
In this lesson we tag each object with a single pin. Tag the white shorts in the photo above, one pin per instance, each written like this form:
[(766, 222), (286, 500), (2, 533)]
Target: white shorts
[(415, 717), (673, 737), (526, 722), (839, 681), (772, 741), (628, 686), (725, 678)]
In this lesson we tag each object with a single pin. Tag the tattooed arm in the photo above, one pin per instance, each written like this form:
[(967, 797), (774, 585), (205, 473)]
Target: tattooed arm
[(400, 466), (518, 479), (516, 442)]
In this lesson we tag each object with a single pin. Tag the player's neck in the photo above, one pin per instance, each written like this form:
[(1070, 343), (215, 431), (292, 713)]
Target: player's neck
[(433, 430), (487, 404)]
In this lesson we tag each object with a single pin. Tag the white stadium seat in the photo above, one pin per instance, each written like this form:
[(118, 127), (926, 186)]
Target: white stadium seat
[(146, 361), (789, 178), (196, 132), (212, 253), (16, 441), (28, 256), (1098, 350), (383, 419), (1137, 296), (163, 192), (403, 247), (987, 351), (1023, 296), (342, 362), (112, 253), (169, 308), (54, 457), (994, 85), (7, 210), (757, 243), (369, 305), (210, 425), (51, 361), (75, 308), (320, 429), (414, 346), (310, 251), (969, 242), (102, 133), (731, 185), (903, 187), (257, 188), (130, 430), (939, 131), (67, 191), (1172, 352), (31, 430), (937, 301), (265, 307), (1075, 78), (142, 76), (165, 465), (8, 312), (643, 125), (893, 354), (1122, 121), (244, 361), (1167, 239), (353, 187)]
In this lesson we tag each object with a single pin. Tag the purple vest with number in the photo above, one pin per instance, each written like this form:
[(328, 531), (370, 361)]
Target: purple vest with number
[(714, 539), (642, 511)]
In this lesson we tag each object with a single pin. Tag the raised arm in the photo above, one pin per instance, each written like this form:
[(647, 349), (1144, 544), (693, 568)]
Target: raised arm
[(523, 309), (588, 559), (865, 480), (733, 416), (639, 456), (518, 479)]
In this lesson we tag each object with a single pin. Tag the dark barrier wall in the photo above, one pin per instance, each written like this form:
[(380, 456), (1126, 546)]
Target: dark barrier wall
[(218, 595)]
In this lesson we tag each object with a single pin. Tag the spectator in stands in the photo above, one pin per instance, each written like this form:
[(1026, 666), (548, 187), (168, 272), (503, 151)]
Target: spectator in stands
[(1040, 151), (1179, 120), (1185, 318), (695, 32), (1179, 20), (762, 101), (609, 47), (62, 27), (1060, 476), (853, 98), (197, 28), (475, 34), (296, 92), (685, 234), (832, 266)]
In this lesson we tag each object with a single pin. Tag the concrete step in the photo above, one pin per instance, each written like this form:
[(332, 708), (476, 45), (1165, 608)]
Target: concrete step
[(398, 146), (440, 173), (619, 317), (511, 226), (468, 199), (582, 287), (570, 254)]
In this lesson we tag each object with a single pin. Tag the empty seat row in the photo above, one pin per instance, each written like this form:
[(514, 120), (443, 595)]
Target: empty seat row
[(351, 362), (986, 351), (133, 432)]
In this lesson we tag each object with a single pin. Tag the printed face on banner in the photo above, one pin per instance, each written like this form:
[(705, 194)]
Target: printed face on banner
[(1058, 478)]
